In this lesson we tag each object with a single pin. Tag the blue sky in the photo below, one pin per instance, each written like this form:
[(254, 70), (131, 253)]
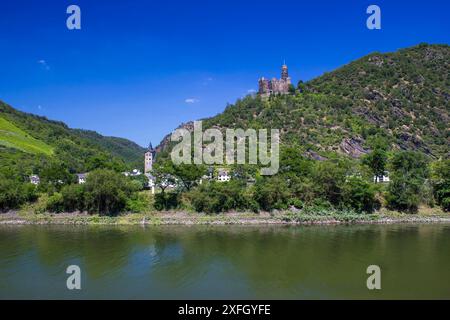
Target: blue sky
[(137, 69)]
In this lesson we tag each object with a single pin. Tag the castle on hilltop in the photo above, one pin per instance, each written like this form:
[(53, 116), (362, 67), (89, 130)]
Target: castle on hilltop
[(281, 86)]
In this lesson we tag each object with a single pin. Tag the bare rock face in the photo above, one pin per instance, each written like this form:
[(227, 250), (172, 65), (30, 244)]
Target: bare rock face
[(166, 140), (314, 155), (410, 141), (371, 116), (353, 147), (373, 94)]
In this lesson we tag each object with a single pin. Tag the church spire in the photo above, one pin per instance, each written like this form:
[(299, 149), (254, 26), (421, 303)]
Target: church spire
[(284, 72)]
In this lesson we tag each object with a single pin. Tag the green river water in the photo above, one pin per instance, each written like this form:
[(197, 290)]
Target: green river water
[(225, 262)]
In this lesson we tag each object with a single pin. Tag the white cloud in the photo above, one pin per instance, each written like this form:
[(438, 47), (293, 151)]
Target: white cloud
[(207, 81), (191, 100), (251, 91), (44, 64)]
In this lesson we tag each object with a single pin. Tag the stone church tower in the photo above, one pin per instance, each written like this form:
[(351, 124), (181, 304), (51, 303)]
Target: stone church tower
[(150, 156)]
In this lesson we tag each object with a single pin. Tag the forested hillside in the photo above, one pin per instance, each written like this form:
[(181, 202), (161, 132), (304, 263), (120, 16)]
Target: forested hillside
[(29, 143), (402, 97)]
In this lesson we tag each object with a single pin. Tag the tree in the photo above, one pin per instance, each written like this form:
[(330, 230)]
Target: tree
[(272, 193), (106, 192), (162, 172), (292, 162), (440, 180), (187, 174), (73, 197), (409, 172), (359, 195), (329, 177), (214, 197), (54, 175), (376, 161), (13, 193)]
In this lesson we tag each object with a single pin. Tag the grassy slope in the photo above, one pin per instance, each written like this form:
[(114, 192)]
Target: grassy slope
[(12, 136), (25, 138)]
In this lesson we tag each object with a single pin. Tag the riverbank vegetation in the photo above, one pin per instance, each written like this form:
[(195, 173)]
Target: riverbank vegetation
[(305, 187)]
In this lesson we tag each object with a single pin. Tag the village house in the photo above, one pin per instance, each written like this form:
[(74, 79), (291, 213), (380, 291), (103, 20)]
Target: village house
[(81, 178), (133, 173), (223, 175), (380, 179), (34, 179)]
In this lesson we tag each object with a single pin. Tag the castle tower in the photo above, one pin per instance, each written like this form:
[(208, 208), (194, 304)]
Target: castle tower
[(284, 72), (150, 156)]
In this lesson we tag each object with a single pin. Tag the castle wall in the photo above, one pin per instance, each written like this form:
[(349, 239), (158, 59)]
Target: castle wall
[(280, 86)]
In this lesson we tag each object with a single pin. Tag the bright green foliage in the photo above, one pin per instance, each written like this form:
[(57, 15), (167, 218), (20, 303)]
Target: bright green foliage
[(106, 192), (54, 176), (440, 180), (408, 174), (376, 161), (27, 142), (13, 194), (359, 195), (138, 202), (167, 200), (14, 137), (73, 197), (272, 193), (215, 197)]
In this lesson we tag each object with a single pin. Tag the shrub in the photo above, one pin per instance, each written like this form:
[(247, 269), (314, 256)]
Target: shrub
[(359, 195), (167, 200), (405, 191), (272, 193), (329, 178), (441, 183), (73, 197), (13, 194), (55, 203), (214, 197), (138, 202), (106, 191)]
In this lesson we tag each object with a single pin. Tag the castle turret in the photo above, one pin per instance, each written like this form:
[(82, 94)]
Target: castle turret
[(284, 72)]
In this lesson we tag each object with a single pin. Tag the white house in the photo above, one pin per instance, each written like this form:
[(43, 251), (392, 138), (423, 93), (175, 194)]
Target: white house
[(135, 173), (383, 178), (34, 179), (81, 177), (223, 176)]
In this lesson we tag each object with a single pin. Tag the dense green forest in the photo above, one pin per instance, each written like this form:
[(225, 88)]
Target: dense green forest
[(29, 143)]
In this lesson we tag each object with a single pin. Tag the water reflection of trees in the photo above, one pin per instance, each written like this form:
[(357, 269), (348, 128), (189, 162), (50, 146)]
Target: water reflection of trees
[(311, 260), (269, 261)]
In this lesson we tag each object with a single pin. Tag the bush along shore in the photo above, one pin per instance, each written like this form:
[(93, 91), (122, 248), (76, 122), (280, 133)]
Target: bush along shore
[(303, 191), (290, 217)]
